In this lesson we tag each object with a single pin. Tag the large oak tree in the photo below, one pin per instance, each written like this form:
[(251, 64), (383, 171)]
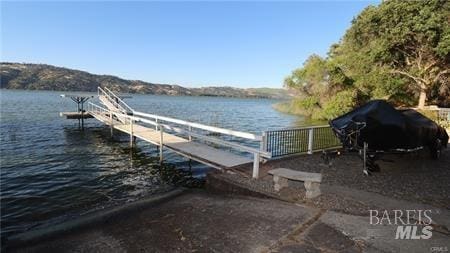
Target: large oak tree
[(399, 51)]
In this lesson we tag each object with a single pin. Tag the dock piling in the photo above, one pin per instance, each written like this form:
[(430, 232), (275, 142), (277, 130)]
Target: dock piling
[(111, 123), (161, 131), (256, 166), (131, 134), (190, 130)]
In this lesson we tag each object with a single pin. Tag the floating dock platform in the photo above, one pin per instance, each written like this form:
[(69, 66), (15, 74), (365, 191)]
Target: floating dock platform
[(76, 115)]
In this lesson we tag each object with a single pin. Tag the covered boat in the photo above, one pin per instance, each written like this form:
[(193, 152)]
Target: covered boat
[(381, 127)]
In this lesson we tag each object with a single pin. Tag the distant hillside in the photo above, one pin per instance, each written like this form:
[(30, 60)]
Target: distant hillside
[(47, 77)]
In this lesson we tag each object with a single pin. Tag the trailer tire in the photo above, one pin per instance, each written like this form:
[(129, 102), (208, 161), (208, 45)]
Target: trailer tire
[(436, 149)]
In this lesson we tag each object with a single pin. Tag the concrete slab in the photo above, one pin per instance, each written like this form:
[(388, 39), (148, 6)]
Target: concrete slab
[(380, 238), (193, 222), (440, 216), (326, 238)]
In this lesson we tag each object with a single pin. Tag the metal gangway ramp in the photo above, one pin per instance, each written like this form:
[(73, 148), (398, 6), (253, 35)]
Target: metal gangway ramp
[(183, 137)]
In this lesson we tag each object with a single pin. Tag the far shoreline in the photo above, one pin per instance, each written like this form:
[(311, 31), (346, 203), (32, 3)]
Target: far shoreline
[(152, 94)]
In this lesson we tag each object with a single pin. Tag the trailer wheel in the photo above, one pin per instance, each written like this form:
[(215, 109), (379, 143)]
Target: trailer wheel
[(373, 167), (436, 149)]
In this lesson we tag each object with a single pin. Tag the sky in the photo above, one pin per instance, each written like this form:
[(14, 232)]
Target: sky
[(240, 44)]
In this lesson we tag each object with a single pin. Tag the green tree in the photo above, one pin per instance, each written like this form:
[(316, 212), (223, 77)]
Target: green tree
[(407, 40), (399, 51), (316, 83)]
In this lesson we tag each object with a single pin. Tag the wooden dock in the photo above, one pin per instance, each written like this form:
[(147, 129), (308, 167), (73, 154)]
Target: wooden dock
[(76, 115), (180, 136)]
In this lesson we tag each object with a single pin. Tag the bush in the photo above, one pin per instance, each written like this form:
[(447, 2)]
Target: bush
[(339, 104)]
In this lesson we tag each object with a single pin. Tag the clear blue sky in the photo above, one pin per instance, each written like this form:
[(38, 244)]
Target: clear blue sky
[(241, 44)]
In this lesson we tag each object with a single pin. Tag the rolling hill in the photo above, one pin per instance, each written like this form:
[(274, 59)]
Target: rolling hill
[(46, 77)]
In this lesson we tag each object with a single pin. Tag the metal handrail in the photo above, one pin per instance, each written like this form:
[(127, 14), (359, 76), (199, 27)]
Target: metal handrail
[(183, 131), (240, 134), (121, 102), (123, 116), (296, 128), (92, 105), (284, 142), (106, 95), (218, 141), (106, 110)]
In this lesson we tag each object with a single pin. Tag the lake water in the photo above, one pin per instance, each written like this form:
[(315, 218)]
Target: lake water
[(52, 171)]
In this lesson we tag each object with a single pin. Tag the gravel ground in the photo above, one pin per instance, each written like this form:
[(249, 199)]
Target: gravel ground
[(411, 177)]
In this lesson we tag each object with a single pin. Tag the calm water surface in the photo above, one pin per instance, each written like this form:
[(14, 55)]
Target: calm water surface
[(52, 171)]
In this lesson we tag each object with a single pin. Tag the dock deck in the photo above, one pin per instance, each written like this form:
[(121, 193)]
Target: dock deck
[(200, 152), (214, 146), (76, 115), (194, 150)]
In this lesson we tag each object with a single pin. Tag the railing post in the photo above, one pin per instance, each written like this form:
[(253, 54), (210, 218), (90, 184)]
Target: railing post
[(256, 165), (310, 140), (263, 144), (190, 130), (131, 134), (156, 126), (161, 141), (111, 123)]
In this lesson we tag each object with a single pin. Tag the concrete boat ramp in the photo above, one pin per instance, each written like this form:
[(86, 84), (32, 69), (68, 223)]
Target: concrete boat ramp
[(199, 221)]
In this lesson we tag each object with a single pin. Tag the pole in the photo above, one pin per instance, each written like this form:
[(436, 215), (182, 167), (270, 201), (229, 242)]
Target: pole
[(82, 114), (310, 140), (190, 130), (263, 144), (111, 122), (78, 109), (256, 166), (131, 134), (161, 141)]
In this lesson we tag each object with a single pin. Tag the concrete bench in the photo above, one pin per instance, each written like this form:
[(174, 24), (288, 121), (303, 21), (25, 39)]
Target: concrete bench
[(312, 180)]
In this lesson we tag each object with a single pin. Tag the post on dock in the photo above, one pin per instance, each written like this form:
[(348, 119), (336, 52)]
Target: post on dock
[(190, 130), (161, 141), (310, 140), (263, 144), (111, 123), (131, 134), (82, 114), (256, 165)]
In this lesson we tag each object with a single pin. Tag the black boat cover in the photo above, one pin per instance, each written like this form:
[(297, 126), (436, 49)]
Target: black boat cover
[(387, 128)]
